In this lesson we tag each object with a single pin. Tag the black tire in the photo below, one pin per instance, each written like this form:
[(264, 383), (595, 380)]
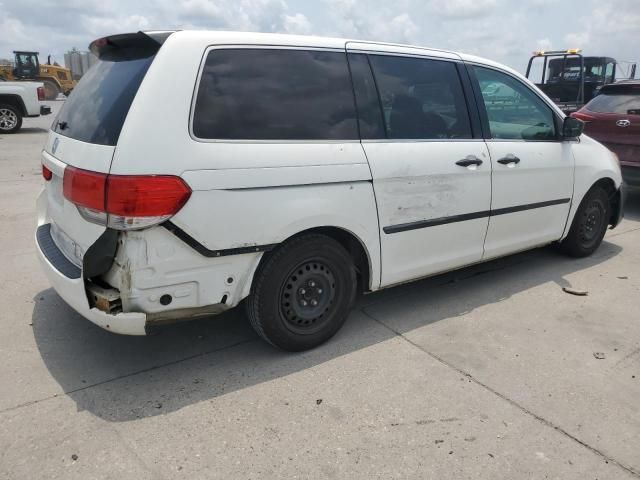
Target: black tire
[(10, 119), (51, 90), (589, 224), (302, 293)]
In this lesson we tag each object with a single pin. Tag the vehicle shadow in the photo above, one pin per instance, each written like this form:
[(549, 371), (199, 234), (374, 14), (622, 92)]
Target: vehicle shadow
[(118, 378), (31, 130)]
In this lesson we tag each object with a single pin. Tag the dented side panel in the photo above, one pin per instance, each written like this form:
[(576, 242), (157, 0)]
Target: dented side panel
[(426, 185), (248, 217)]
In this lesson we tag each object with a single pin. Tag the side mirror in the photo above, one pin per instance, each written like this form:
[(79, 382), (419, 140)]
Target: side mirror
[(572, 128)]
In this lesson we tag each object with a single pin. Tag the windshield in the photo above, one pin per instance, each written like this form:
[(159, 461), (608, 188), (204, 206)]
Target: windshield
[(569, 69), (96, 109)]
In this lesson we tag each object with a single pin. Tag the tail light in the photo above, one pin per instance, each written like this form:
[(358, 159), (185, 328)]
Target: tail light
[(46, 173), (125, 202), (40, 94), (583, 116)]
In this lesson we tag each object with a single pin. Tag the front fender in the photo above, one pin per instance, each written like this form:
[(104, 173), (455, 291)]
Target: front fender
[(593, 163)]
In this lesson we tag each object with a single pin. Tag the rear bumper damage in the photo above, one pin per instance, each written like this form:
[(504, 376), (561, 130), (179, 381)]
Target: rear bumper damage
[(132, 282), (72, 290)]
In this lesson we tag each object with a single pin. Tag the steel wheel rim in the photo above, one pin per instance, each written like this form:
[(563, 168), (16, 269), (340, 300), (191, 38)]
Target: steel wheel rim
[(594, 216), (306, 297), (8, 119)]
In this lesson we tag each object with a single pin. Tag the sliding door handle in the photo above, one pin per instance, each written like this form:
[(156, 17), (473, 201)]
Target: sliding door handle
[(470, 160), (511, 158)]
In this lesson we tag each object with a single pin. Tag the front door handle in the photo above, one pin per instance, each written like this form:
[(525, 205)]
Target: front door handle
[(470, 160), (511, 158)]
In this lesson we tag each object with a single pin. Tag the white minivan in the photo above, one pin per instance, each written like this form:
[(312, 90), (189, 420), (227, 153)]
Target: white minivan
[(191, 171)]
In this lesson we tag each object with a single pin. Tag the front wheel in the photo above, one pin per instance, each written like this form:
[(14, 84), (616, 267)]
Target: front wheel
[(589, 224), (10, 119), (302, 293)]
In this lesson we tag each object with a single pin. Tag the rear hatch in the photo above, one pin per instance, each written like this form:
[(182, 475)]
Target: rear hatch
[(613, 118), (84, 136)]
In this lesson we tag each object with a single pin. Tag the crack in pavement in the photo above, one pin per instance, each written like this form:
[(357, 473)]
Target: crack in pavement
[(127, 375), (539, 418)]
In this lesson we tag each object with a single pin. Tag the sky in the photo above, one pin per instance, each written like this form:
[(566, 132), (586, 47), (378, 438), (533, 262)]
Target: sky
[(503, 30)]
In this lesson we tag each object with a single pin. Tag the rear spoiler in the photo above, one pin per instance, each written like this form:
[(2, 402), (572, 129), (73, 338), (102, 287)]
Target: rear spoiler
[(128, 46)]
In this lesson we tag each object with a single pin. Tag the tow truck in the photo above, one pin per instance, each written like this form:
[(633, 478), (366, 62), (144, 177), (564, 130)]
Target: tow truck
[(571, 79)]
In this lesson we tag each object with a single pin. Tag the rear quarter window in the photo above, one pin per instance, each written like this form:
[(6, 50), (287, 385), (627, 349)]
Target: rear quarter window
[(620, 103), (275, 94)]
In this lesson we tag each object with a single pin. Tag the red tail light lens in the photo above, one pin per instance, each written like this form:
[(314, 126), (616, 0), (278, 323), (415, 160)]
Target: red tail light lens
[(46, 173), (583, 116), (84, 188), (146, 196), (41, 93), (125, 201)]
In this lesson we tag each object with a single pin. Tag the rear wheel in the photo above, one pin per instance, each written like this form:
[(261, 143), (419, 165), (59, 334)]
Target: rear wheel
[(51, 90), (302, 293), (10, 119), (589, 224)]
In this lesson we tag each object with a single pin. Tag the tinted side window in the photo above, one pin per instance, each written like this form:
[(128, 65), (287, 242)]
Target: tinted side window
[(266, 94), (421, 98), (513, 109), (369, 109)]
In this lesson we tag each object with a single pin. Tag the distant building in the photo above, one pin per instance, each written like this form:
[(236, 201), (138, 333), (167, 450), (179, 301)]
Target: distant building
[(79, 62)]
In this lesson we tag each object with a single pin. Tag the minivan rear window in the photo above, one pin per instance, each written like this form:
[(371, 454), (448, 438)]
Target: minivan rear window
[(96, 109), (275, 94), (621, 103)]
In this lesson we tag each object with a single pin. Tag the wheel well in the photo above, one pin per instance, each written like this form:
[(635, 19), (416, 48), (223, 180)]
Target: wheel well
[(353, 246), (14, 101), (609, 186)]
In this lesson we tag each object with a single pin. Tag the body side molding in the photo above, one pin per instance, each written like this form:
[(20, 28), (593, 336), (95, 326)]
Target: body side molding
[(403, 227)]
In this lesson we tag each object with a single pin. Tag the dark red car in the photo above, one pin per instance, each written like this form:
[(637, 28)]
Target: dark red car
[(613, 118)]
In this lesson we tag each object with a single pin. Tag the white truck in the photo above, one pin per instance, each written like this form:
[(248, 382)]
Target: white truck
[(19, 100)]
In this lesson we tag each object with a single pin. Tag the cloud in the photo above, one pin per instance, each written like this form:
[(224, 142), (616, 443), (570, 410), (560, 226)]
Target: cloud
[(375, 21), (577, 40), (463, 8), (504, 30), (297, 23)]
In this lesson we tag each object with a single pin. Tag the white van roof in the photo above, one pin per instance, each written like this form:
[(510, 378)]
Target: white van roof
[(239, 38)]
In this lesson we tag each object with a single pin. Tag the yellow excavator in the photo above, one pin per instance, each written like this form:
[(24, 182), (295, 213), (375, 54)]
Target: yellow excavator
[(27, 67)]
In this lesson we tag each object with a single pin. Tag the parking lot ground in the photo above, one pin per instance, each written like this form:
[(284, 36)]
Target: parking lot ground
[(489, 372)]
